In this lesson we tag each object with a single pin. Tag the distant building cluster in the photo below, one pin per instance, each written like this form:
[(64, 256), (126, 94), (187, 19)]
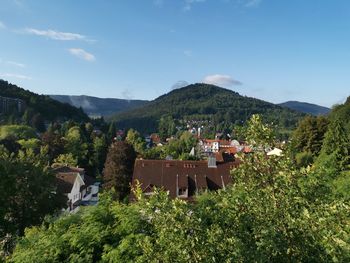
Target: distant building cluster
[(11, 104)]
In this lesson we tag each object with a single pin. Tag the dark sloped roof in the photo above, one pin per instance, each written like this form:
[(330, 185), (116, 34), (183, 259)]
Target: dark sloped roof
[(174, 174), (65, 182), (67, 169)]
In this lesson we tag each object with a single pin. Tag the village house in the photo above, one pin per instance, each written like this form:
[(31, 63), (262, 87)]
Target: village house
[(183, 179), (79, 188)]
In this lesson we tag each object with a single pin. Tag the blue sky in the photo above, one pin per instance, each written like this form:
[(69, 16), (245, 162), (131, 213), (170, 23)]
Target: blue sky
[(275, 50)]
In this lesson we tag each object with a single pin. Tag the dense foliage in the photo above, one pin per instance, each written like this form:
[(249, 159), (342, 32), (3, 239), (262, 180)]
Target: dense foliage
[(273, 212), (308, 138), (119, 168), (219, 107), (28, 193)]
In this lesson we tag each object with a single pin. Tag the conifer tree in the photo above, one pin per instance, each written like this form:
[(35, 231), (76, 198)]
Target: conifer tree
[(118, 169)]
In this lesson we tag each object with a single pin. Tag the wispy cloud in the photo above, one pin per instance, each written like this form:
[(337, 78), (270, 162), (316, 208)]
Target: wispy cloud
[(14, 75), (252, 3), (127, 95), (81, 53), (179, 84), (17, 64), (56, 35), (221, 80), (2, 25), (189, 3)]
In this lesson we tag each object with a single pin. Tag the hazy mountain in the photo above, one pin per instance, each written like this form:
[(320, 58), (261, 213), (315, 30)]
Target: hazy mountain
[(203, 101), (306, 107), (48, 108), (94, 106)]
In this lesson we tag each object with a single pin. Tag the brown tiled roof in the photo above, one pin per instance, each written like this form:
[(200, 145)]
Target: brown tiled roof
[(67, 169), (173, 174), (65, 182)]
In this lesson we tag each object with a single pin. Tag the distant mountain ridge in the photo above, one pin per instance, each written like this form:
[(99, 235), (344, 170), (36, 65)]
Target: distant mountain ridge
[(48, 108), (95, 106), (305, 107), (205, 102)]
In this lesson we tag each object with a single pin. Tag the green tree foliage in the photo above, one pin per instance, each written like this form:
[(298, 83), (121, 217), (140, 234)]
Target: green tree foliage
[(309, 134), (118, 169), (65, 160), (336, 146), (112, 131), (166, 127), (99, 152), (303, 159), (266, 215), (258, 134), (17, 132), (54, 141), (180, 148), (75, 143), (134, 138), (27, 192), (33, 144)]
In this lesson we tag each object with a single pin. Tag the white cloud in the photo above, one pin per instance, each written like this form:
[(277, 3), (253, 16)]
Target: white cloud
[(56, 35), (2, 25), (189, 3), (252, 3), (13, 63), (179, 84), (221, 80), (81, 53), (14, 75)]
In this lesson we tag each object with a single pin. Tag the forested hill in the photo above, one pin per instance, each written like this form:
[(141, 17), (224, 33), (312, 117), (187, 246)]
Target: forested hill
[(308, 108), (203, 101), (94, 106), (47, 107)]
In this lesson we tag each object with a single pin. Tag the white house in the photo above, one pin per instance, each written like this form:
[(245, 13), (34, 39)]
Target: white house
[(79, 188)]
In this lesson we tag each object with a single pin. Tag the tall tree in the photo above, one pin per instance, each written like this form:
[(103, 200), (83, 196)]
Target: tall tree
[(309, 135), (134, 138), (166, 127), (118, 169), (27, 192), (336, 145)]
